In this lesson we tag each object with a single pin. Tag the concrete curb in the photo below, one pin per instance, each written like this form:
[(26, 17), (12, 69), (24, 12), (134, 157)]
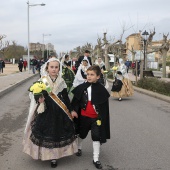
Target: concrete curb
[(11, 87), (149, 93)]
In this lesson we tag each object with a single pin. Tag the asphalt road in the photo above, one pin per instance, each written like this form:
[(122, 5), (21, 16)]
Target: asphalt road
[(140, 138)]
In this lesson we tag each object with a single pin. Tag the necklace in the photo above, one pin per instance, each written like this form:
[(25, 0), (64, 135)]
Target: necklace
[(53, 80)]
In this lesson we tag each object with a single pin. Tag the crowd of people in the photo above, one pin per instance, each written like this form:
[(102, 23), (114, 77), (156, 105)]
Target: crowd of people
[(57, 126)]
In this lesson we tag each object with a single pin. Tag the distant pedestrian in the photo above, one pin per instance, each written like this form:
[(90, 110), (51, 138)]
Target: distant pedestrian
[(40, 63), (67, 72), (127, 64), (20, 65), (122, 86), (101, 64), (133, 66), (25, 64), (81, 74), (75, 65), (86, 57), (66, 60), (2, 65), (34, 63)]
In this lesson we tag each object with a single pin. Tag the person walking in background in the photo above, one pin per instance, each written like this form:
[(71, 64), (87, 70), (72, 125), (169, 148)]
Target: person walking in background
[(101, 64), (34, 63), (20, 65), (91, 106), (74, 65), (86, 57), (67, 73), (25, 64), (40, 63), (81, 74), (50, 131), (127, 64), (122, 86), (66, 61), (2, 65), (133, 66)]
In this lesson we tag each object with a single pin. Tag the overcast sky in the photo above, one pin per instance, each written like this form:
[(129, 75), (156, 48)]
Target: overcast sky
[(73, 23)]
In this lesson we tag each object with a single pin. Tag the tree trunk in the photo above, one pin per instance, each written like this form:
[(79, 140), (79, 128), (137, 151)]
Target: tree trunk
[(98, 53), (133, 57), (141, 69), (164, 55), (106, 57)]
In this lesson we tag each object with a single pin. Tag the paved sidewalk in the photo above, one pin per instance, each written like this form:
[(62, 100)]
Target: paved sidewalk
[(10, 81)]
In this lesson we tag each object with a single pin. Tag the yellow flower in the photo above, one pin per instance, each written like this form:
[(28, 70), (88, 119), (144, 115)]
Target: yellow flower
[(38, 87), (99, 122), (105, 71), (114, 68)]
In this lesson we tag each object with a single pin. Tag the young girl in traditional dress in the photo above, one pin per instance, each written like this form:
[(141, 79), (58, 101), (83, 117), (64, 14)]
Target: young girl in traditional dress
[(91, 103), (122, 86), (102, 79), (50, 132), (81, 74)]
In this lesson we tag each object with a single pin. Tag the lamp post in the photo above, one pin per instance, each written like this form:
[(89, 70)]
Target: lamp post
[(28, 6), (43, 44), (145, 35)]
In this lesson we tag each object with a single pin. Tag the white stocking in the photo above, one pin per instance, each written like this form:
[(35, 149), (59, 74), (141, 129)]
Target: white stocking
[(80, 143), (96, 150)]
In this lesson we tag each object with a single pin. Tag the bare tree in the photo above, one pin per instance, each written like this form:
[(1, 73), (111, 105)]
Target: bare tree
[(3, 45), (150, 38), (164, 50)]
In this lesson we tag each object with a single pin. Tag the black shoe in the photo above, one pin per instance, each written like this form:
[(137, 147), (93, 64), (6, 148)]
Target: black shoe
[(97, 164), (79, 153), (53, 163)]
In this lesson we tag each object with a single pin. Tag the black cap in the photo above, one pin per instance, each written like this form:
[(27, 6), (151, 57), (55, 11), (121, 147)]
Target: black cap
[(87, 51)]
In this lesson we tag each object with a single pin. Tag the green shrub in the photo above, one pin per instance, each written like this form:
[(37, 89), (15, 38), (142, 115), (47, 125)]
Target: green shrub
[(168, 63), (168, 75), (160, 65), (154, 84)]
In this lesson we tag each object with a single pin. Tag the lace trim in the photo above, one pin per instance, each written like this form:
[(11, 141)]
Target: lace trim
[(51, 144), (57, 86)]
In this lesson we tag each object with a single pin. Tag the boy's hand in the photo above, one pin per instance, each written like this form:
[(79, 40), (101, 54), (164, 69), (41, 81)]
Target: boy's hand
[(74, 114)]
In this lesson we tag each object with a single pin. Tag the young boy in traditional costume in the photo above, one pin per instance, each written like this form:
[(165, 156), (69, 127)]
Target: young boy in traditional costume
[(50, 131), (91, 104)]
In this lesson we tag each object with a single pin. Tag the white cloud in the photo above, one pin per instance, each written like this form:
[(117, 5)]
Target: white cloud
[(74, 23)]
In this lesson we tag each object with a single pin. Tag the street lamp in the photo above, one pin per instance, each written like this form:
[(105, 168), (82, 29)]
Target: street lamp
[(30, 5), (145, 36), (44, 45)]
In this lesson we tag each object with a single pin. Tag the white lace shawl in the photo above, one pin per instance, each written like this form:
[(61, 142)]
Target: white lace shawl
[(78, 77), (100, 64)]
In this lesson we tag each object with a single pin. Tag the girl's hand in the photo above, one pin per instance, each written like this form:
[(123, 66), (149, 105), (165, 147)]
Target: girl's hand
[(74, 114), (41, 99)]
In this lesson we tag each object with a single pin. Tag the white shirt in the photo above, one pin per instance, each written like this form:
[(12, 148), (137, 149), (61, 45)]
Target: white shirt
[(89, 93)]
